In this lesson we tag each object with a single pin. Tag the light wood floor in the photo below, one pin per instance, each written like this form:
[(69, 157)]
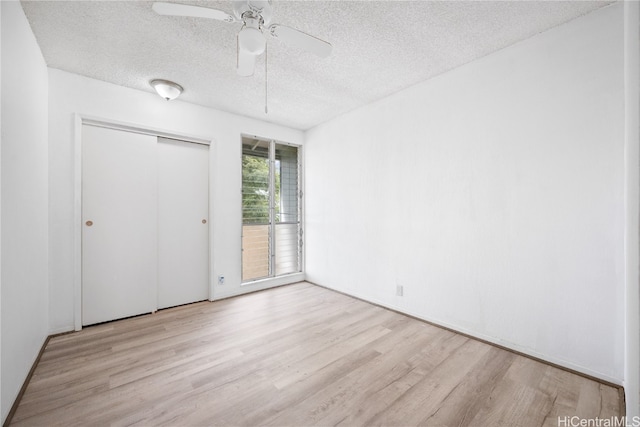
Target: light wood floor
[(293, 356)]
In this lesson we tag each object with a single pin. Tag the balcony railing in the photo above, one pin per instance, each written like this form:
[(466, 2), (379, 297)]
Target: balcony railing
[(255, 250)]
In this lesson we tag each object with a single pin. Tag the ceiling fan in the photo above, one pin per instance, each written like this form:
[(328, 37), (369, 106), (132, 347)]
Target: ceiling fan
[(255, 16)]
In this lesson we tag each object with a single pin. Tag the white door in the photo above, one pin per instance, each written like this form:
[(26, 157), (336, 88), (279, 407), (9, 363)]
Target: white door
[(119, 230), (183, 222)]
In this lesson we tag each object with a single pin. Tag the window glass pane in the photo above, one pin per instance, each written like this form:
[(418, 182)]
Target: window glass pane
[(287, 183), (255, 184), (255, 210), (287, 227), (287, 259)]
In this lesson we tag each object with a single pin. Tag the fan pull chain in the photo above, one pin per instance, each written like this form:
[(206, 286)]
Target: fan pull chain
[(266, 93)]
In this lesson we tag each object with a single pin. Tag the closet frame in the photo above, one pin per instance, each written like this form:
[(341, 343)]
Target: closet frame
[(79, 121)]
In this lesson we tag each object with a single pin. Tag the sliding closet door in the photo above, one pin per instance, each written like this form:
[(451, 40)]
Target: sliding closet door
[(183, 222), (119, 224)]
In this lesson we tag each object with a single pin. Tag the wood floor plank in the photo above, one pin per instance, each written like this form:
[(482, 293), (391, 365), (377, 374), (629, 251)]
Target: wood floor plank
[(463, 403), (291, 356)]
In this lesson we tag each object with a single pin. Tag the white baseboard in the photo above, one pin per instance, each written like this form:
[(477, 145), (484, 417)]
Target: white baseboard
[(221, 293)]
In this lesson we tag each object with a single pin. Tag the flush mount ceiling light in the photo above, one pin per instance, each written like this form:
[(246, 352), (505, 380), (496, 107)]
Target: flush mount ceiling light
[(166, 89)]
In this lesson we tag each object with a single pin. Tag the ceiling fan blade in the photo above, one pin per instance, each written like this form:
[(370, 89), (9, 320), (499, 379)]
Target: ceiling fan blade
[(301, 40), (246, 62), (175, 9)]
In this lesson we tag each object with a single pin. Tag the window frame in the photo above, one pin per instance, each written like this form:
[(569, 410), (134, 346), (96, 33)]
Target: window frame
[(272, 224)]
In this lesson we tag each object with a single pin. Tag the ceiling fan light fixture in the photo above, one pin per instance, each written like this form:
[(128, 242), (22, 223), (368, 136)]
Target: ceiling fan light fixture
[(251, 40), (166, 89)]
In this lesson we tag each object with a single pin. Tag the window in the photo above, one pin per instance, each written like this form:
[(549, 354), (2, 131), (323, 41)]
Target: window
[(271, 229)]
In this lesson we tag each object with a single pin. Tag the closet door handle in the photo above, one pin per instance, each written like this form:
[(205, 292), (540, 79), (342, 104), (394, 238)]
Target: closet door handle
[(204, 221), (89, 223)]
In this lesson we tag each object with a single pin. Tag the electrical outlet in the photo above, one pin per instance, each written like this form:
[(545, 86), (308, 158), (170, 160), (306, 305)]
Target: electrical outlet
[(399, 290), (221, 280)]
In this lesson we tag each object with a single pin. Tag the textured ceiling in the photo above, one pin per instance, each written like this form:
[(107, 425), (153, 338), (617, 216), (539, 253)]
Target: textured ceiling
[(378, 48)]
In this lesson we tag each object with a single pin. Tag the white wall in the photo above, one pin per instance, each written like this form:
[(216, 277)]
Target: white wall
[(492, 193), (24, 201), (2, 417), (632, 208), (69, 94)]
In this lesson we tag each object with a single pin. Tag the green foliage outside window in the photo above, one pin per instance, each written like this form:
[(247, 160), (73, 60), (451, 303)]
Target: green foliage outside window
[(255, 190)]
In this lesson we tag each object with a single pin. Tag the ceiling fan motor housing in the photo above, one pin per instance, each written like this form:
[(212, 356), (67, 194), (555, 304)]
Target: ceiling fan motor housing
[(256, 8)]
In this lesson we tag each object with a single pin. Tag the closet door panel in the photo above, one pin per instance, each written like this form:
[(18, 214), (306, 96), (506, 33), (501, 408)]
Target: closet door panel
[(183, 222), (119, 230)]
